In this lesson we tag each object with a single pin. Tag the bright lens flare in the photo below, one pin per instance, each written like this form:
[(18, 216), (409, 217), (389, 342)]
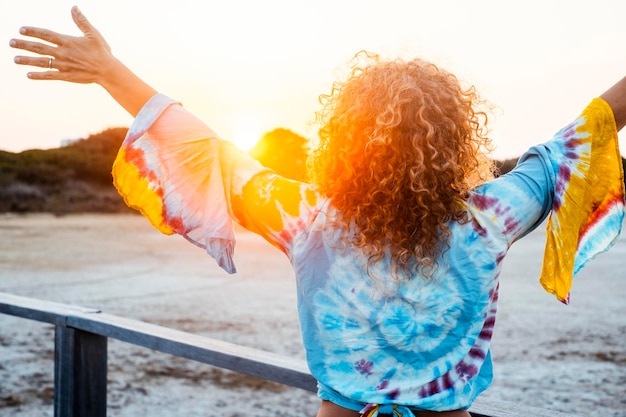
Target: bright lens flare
[(245, 139), (246, 131)]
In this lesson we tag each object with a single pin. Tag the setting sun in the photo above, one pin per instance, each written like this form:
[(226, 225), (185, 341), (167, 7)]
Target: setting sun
[(245, 139), (247, 131)]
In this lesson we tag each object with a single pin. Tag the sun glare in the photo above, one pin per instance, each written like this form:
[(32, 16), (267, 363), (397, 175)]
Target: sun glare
[(245, 139), (246, 131)]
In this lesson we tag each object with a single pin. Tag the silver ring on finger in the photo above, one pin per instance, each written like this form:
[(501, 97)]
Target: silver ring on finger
[(50, 62)]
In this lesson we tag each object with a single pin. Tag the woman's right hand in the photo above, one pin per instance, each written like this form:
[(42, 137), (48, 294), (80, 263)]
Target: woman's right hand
[(82, 59)]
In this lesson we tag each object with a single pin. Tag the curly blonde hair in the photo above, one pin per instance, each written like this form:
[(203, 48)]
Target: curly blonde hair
[(401, 144)]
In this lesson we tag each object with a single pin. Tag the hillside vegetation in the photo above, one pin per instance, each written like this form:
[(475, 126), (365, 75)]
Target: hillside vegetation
[(77, 178), (70, 179)]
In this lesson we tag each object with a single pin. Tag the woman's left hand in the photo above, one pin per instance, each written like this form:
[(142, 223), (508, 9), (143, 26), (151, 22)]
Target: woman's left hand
[(83, 59)]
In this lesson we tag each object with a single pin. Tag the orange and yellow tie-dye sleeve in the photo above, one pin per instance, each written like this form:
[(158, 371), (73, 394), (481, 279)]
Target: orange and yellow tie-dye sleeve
[(276, 208), (588, 205), (177, 172)]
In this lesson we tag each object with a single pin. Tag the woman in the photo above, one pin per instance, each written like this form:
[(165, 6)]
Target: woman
[(398, 240)]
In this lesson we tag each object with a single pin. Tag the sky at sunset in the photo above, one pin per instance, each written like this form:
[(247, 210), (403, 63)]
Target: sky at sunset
[(247, 67)]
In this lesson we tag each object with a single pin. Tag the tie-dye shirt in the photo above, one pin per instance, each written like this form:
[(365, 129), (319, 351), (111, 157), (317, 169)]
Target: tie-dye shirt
[(421, 344)]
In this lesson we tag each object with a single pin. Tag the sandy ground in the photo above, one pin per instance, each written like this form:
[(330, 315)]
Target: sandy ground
[(566, 358)]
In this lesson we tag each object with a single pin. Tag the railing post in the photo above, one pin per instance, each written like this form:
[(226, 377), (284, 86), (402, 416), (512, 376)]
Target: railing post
[(80, 373)]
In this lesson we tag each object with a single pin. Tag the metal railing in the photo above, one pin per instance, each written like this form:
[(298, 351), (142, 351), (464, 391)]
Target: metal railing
[(80, 357)]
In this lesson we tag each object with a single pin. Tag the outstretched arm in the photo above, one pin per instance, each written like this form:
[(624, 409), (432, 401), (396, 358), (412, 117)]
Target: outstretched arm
[(616, 98), (84, 59)]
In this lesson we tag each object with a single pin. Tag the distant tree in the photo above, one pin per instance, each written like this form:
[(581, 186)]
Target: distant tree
[(283, 151), (505, 166)]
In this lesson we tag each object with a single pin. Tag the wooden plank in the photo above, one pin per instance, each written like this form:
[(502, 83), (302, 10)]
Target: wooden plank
[(38, 310), (270, 366), (80, 373), (483, 407)]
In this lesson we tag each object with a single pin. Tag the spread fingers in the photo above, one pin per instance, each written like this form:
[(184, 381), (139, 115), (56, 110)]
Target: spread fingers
[(43, 34)]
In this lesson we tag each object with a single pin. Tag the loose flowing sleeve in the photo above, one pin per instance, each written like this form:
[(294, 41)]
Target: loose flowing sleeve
[(588, 203), (177, 172), (575, 180)]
